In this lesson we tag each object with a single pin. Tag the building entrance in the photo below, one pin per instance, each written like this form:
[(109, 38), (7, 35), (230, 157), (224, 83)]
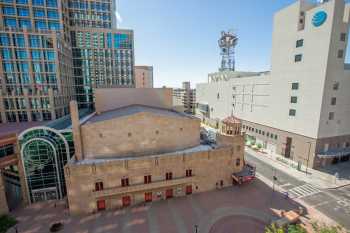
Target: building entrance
[(45, 194)]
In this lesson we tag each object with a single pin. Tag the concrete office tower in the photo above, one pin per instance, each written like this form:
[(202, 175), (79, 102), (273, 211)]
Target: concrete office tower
[(144, 76), (103, 56), (300, 109), (35, 70), (184, 99)]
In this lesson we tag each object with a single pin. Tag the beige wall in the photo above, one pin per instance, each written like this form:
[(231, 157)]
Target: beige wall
[(140, 133), (143, 76), (209, 167), (112, 98), (3, 201)]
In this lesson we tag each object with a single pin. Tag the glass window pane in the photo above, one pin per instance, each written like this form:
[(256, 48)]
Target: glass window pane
[(25, 23), (8, 10), (22, 1), (39, 13), (52, 14), (20, 40), (51, 3), (54, 26), (6, 54), (10, 22), (23, 11), (38, 2), (4, 39), (40, 25)]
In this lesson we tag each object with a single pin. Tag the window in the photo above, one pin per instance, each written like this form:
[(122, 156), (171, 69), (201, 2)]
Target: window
[(6, 54), (238, 162), (54, 26), (169, 176), (22, 1), (21, 54), (36, 55), (51, 3), (50, 55), (293, 99), (218, 96), (295, 86), (343, 37), (4, 40), (340, 53), (39, 13), (333, 101), (38, 2), (22, 12), (52, 14), (300, 43), (40, 25), (99, 186), (336, 86), (298, 58), (34, 41), (147, 179), (188, 172), (7, 150), (8, 10), (276, 137), (24, 23), (292, 112), (125, 182), (10, 22), (331, 116), (20, 40)]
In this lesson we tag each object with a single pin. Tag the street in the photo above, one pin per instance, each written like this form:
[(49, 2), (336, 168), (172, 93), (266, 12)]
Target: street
[(334, 203)]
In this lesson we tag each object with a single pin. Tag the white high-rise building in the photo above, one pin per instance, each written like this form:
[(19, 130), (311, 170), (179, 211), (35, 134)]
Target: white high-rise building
[(301, 108)]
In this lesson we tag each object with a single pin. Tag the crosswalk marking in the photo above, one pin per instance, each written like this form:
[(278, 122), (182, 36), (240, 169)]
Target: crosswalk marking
[(303, 191)]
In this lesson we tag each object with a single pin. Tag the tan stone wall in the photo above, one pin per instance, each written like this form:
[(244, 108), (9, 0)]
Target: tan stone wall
[(112, 98), (3, 201), (139, 134), (208, 168)]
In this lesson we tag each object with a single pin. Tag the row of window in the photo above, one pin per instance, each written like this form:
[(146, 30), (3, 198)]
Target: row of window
[(37, 12), (259, 131), (36, 67), (22, 54), (48, 3), (93, 5), (147, 179), (23, 117), (26, 24), (18, 40), (7, 150)]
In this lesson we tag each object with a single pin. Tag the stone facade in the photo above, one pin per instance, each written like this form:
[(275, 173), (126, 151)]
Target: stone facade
[(139, 134), (209, 167), (139, 153), (3, 202)]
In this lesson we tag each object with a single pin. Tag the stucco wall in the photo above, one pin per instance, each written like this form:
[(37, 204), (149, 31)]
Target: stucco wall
[(113, 98), (139, 134), (208, 168)]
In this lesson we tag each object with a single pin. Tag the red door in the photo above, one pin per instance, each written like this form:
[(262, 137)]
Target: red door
[(188, 189), (148, 197), (168, 193), (101, 205), (126, 201)]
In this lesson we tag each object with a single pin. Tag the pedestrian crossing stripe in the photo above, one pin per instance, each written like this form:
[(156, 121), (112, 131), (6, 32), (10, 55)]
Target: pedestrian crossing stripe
[(303, 191)]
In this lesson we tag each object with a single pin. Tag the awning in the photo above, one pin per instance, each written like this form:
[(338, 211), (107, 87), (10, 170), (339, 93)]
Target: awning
[(333, 153)]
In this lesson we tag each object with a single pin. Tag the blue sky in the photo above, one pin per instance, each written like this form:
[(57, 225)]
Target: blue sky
[(179, 37)]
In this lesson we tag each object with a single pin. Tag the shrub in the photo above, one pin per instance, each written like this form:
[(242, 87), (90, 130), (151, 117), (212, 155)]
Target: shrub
[(6, 222)]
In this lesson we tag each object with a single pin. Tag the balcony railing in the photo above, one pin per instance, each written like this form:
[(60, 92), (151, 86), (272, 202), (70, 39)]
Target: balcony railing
[(142, 187)]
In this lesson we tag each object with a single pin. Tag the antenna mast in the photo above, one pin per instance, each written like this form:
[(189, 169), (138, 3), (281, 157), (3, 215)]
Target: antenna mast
[(227, 44)]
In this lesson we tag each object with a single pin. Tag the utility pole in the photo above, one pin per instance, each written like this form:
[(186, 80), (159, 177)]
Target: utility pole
[(196, 228), (274, 178)]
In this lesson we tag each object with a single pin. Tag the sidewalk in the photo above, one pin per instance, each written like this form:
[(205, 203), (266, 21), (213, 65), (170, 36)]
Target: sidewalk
[(314, 177)]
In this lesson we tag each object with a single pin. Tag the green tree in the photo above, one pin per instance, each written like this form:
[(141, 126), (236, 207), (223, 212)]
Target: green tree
[(274, 229), (296, 229)]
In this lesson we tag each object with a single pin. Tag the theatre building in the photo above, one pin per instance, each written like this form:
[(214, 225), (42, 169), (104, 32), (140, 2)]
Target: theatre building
[(144, 151)]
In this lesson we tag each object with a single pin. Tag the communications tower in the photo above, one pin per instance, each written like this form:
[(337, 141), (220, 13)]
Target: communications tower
[(227, 44)]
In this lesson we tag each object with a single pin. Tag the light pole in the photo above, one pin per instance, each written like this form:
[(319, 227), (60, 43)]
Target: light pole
[(196, 228), (308, 158), (274, 178)]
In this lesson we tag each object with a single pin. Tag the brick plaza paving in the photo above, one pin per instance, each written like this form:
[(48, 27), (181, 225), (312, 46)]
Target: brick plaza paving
[(245, 209)]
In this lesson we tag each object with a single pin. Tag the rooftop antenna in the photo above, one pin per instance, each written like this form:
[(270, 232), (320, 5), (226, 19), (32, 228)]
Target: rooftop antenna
[(227, 43)]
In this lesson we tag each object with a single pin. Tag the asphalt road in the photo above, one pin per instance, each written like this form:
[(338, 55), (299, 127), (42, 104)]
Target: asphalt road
[(333, 203)]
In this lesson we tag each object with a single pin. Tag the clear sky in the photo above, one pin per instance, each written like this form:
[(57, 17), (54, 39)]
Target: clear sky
[(179, 37)]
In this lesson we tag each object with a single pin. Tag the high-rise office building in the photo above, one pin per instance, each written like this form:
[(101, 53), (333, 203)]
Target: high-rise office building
[(54, 51)]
